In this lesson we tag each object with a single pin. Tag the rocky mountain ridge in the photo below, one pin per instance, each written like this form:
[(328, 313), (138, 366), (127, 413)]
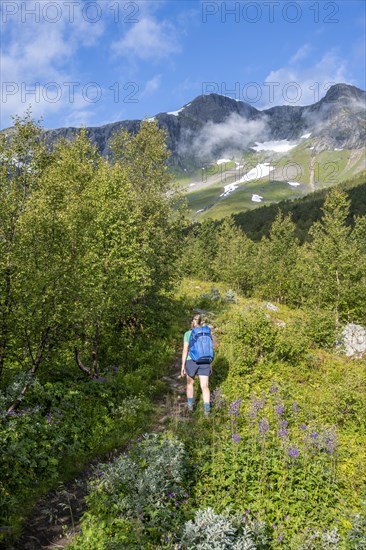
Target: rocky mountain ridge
[(213, 124)]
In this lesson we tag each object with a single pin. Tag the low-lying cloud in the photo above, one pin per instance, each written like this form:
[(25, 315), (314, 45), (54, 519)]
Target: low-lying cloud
[(236, 133)]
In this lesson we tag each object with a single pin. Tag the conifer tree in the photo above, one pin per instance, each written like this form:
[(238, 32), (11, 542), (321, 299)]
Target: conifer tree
[(233, 263), (276, 259), (336, 266)]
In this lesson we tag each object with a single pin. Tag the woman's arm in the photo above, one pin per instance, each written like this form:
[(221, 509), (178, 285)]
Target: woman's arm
[(184, 357)]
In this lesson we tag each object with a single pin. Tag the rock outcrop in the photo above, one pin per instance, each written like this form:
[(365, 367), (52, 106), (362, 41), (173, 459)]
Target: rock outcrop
[(353, 340)]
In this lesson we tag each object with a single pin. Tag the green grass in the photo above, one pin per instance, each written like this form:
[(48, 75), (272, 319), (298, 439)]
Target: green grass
[(203, 198), (331, 168)]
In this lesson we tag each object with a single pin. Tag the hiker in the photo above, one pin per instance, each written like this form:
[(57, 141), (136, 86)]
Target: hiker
[(202, 363)]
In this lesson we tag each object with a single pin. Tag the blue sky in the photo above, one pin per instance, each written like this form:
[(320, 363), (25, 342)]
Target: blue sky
[(87, 62)]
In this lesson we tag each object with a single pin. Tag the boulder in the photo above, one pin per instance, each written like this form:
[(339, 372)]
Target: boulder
[(353, 340), (272, 307)]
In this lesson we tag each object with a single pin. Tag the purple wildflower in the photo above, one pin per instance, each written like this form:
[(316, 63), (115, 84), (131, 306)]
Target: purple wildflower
[(217, 398), (280, 409), (236, 438), (263, 426), (330, 441), (255, 406), (273, 389), (282, 433), (293, 452), (303, 426), (284, 423), (314, 435), (234, 407), (295, 407)]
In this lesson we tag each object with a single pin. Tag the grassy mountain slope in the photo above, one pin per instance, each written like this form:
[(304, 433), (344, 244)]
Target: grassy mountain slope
[(311, 170)]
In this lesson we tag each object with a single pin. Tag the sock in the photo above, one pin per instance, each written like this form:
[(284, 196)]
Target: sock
[(206, 407), (190, 402)]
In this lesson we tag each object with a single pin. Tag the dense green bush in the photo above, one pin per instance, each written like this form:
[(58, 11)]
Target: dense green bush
[(139, 499), (40, 443)]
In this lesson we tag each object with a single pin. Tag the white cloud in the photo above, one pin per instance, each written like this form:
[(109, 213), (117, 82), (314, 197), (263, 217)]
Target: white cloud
[(301, 53), (149, 40), (151, 86), (295, 84), (36, 52), (236, 132)]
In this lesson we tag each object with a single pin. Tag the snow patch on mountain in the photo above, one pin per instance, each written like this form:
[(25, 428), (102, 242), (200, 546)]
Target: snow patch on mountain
[(294, 183), (260, 171), (257, 198), (229, 189), (222, 161), (306, 136), (176, 113), (281, 146)]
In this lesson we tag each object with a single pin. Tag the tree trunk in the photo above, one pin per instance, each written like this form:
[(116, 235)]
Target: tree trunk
[(4, 325), (79, 363), (95, 367), (35, 365)]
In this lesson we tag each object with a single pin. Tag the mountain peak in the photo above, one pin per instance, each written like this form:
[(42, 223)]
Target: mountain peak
[(344, 91), (216, 108)]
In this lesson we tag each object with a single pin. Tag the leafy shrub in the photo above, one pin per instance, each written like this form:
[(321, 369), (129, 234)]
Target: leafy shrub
[(322, 540), (248, 338), (211, 531), (321, 328), (356, 536), (144, 488), (230, 297), (73, 422), (292, 343)]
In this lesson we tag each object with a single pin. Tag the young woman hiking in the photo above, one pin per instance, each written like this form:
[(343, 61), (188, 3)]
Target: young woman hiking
[(190, 368)]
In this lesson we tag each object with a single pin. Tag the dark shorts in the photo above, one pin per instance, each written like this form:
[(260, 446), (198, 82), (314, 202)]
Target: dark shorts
[(193, 368)]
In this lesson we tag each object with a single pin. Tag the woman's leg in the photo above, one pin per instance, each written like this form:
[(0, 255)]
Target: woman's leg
[(190, 390), (205, 392)]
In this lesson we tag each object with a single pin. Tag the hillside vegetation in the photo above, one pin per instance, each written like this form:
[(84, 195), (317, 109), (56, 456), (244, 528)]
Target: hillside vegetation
[(280, 462), (98, 278), (311, 172), (304, 211)]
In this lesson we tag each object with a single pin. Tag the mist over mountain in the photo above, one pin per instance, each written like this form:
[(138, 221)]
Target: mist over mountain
[(213, 125)]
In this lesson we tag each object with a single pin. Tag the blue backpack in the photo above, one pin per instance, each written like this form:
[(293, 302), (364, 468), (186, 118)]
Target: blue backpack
[(201, 345)]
